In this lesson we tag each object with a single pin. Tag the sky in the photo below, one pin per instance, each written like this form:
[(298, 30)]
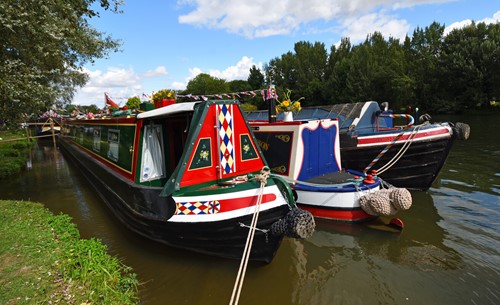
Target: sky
[(166, 43)]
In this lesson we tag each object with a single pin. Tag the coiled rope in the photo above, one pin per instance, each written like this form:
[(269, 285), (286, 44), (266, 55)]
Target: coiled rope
[(238, 285)]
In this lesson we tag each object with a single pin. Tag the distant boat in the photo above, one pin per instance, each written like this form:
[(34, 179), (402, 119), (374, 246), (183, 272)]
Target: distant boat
[(409, 156), (307, 154), (46, 126), (189, 175)]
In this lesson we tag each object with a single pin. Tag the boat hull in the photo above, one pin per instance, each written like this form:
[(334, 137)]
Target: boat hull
[(418, 167), (331, 196), (142, 210)]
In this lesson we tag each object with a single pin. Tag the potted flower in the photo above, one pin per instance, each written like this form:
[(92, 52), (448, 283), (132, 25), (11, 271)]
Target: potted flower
[(133, 103), (287, 106), (164, 97)]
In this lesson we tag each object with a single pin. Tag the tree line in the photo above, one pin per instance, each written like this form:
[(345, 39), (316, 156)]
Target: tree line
[(430, 70), (46, 43)]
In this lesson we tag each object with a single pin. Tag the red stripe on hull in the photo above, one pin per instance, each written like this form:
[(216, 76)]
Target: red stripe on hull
[(244, 202), (367, 140), (354, 215)]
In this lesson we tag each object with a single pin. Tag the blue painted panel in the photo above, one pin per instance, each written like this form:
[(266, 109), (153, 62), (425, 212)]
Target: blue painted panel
[(319, 152)]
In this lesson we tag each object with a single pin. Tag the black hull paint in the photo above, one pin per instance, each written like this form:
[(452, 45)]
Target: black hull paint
[(416, 170), (143, 211)]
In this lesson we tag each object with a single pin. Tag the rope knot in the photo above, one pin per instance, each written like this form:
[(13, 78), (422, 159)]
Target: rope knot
[(264, 174)]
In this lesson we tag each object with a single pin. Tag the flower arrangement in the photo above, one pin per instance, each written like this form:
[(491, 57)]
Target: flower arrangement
[(133, 102), (164, 93), (287, 105)]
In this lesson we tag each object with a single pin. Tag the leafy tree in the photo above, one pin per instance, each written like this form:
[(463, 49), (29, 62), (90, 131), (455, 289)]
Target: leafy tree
[(44, 45), (205, 84), (239, 86), (336, 88), (256, 78), (282, 71), (303, 71), (471, 58), (422, 53)]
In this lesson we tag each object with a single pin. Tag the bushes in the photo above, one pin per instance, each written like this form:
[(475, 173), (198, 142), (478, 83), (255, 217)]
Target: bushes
[(11, 165), (12, 154)]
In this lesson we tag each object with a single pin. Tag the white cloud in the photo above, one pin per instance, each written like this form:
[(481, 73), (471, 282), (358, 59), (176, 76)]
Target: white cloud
[(261, 18), (239, 71), (358, 28), (158, 71), (463, 23), (118, 82)]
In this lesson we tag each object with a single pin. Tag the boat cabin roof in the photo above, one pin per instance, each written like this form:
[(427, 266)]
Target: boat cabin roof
[(171, 109)]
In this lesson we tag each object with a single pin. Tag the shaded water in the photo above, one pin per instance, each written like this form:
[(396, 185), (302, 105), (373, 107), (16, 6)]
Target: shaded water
[(448, 253)]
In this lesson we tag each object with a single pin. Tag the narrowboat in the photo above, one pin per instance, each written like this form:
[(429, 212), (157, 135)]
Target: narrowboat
[(189, 175), (407, 155), (307, 155)]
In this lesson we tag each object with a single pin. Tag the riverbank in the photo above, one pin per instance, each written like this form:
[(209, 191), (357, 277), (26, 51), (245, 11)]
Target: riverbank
[(13, 153), (44, 261)]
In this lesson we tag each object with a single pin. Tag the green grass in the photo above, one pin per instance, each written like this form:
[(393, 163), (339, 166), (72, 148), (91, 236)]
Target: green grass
[(44, 261), (13, 153)]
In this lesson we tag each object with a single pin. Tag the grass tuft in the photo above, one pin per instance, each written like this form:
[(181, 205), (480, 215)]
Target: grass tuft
[(44, 261)]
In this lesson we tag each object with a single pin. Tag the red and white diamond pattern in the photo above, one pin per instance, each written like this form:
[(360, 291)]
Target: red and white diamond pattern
[(225, 119)]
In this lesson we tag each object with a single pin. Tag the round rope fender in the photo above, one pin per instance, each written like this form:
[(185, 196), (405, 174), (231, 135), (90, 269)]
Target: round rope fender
[(461, 130), (297, 224), (386, 201)]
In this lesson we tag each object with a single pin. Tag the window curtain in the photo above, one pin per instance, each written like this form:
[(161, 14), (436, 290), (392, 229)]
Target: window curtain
[(153, 165)]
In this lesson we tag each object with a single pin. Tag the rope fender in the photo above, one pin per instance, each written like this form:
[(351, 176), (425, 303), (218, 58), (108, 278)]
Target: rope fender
[(297, 223), (461, 130), (386, 201)]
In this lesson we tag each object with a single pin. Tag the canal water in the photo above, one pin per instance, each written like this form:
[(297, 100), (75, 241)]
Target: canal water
[(448, 252)]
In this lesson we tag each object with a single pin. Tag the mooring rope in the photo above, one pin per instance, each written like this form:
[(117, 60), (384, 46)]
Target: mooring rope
[(396, 138), (400, 153), (238, 285)]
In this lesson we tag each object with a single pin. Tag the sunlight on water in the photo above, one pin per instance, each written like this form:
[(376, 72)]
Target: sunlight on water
[(448, 252)]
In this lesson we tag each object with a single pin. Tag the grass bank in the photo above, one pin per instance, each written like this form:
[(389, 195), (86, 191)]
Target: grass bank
[(44, 261), (13, 153)]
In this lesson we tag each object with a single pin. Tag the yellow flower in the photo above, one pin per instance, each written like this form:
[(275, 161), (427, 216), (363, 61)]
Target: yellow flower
[(164, 93), (287, 104)]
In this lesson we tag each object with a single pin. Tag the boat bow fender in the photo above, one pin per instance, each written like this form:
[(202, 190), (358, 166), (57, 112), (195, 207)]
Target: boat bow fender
[(461, 130)]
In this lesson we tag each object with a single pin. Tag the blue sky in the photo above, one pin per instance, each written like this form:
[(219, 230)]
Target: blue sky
[(167, 43)]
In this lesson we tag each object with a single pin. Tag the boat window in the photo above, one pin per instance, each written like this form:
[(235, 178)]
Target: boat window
[(114, 144), (152, 165), (97, 139)]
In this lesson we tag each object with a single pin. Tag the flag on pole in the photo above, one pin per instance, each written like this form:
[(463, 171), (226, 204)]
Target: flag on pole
[(110, 101)]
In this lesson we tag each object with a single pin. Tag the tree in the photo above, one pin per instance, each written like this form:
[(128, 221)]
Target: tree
[(423, 54), (471, 58), (205, 84), (256, 78), (302, 71), (239, 85), (44, 45), (337, 69)]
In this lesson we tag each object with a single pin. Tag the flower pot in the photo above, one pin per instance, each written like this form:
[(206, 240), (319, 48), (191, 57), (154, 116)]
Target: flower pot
[(164, 102), (146, 106), (288, 116)]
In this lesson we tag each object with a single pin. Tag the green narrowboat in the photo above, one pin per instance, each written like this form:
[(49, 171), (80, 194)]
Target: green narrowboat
[(189, 175)]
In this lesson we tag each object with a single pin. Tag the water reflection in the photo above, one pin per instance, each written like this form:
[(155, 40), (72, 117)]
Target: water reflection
[(448, 252), (350, 264)]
